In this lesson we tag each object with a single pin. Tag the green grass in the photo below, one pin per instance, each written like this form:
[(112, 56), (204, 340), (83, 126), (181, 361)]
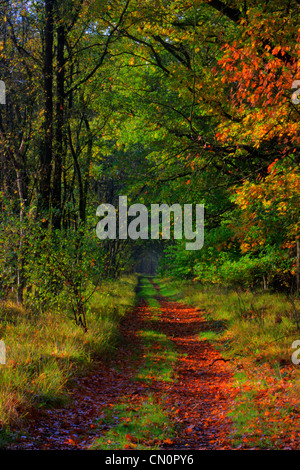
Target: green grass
[(147, 292), (257, 424), (137, 426), (159, 357), (168, 288), (208, 335), (260, 325), (159, 352), (44, 352)]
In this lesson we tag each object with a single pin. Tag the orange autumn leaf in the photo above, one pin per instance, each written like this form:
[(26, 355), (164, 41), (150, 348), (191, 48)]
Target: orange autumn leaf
[(70, 441), (168, 441)]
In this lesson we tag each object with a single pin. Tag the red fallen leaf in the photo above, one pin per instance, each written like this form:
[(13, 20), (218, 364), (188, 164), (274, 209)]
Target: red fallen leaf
[(130, 446), (70, 441), (126, 419), (130, 438), (168, 441), (189, 430)]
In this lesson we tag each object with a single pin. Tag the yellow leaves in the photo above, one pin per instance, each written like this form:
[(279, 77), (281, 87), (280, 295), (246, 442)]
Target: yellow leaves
[(264, 206), (267, 203), (282, 207)]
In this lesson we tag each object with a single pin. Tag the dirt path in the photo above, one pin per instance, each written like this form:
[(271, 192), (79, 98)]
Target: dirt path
[(199, 399), (202, 391)]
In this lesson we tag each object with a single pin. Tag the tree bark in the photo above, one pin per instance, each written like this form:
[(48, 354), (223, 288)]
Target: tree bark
[(20, 261), (47, 149), (298, 268), (59, 138)]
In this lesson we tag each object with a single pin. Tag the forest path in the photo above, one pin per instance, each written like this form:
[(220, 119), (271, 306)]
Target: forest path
[(197, 395)]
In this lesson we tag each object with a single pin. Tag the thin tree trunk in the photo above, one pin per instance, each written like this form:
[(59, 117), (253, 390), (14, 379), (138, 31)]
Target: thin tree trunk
[(20, 260), (298, 268), (59, 143), (47, 150), (87, 172), (79, 178)]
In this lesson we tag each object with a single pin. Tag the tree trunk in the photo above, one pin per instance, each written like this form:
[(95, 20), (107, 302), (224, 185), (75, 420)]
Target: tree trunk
[(47, 150), (265, 282), (298, 268), (20, 260), (59, 142)]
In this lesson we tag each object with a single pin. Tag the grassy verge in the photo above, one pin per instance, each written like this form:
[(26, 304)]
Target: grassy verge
[(44, 352), (256, 332), (260, 325), (264, 415)]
